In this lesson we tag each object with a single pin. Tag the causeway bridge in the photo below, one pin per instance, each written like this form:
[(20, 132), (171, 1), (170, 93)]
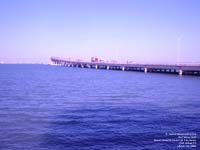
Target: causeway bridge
[(179, 69)]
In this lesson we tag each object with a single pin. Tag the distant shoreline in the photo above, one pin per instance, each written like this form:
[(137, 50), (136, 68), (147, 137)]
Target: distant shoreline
[(24, 64)]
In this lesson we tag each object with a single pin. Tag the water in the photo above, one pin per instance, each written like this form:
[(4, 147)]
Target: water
[(54, 108)]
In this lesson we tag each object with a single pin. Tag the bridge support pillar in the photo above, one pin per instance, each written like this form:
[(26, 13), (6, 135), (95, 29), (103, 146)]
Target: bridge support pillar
[(145, 70), (96, 67), (107, 67), (123, 68), (180, 72)]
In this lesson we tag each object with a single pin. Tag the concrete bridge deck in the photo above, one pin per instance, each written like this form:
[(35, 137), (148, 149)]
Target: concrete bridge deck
[(180, 69)]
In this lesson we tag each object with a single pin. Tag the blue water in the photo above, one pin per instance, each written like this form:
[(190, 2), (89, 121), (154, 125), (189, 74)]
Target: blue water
[(54, 108)]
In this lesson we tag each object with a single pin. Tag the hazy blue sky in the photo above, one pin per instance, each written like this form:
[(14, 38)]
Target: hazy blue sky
[(138, 30)]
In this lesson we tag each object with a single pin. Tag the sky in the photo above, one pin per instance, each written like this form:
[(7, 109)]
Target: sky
[(152, 31)]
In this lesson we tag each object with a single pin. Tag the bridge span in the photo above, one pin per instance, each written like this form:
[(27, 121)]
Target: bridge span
[(179, 69)]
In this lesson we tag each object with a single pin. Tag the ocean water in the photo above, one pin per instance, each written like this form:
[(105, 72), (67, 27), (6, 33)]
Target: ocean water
[(53, 108)]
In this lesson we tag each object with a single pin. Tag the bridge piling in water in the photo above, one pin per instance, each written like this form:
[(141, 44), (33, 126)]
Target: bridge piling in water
[(145, 70), (180, 72)]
